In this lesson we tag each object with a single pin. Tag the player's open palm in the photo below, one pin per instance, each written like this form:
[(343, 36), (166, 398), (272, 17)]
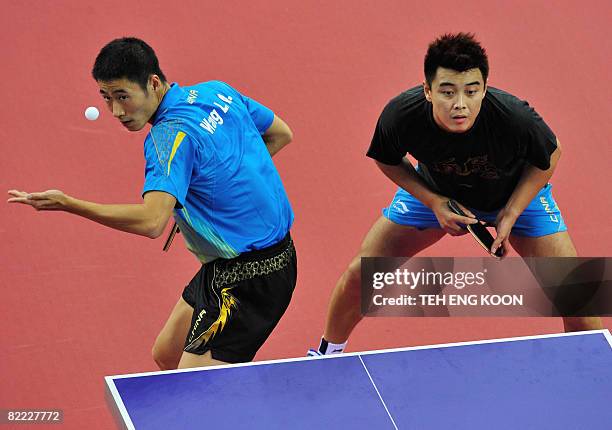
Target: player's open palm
[(46, 200)]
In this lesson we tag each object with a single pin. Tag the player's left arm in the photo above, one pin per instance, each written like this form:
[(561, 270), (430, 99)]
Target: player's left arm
[(530, 184), (275, 132), (277, 136), (146, 219)]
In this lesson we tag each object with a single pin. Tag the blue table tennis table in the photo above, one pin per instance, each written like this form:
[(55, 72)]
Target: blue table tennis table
[(561, 381)]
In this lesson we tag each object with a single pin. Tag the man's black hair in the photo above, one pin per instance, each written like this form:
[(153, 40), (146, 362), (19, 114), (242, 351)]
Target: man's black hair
[(458, 52), (129, 58)]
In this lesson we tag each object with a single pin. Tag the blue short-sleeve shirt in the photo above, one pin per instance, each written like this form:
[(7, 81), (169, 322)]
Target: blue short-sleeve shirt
[(205, 148)]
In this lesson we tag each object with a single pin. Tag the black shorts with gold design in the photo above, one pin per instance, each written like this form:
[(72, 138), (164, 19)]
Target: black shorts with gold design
[(237, 302)]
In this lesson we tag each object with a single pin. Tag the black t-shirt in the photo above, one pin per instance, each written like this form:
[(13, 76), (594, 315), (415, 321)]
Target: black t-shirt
[(481, 167)]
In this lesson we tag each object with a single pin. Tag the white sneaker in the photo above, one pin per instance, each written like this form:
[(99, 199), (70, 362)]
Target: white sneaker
[(313, 353)]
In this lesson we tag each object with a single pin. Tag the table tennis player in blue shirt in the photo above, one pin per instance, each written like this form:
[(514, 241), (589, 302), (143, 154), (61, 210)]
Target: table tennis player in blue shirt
[(208, 163)]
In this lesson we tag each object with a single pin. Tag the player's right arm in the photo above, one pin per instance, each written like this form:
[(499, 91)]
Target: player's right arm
[(405, 176), (275, 132), (147, 219)]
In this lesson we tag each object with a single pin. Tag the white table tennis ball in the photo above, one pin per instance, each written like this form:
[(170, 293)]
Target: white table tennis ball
[(92, 113)]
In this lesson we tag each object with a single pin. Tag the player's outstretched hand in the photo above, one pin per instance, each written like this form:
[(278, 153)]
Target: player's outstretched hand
[(504, 223), (47, 200), (450, 221)]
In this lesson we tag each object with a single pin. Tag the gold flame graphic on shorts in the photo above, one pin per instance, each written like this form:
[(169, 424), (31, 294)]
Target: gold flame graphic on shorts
[(228, 303)]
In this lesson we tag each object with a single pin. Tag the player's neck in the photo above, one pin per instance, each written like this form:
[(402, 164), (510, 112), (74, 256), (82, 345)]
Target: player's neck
[(159, 95), (162, 92)]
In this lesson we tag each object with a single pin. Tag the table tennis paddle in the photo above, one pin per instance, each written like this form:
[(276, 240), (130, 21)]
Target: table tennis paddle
[(478, 231), (173, 232)]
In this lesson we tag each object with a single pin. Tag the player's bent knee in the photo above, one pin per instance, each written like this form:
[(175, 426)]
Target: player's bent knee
[(352, 276), (159, 358), (164, 357), (168, 345)]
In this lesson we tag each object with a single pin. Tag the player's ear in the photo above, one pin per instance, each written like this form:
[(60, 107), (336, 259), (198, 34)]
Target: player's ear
[(427, 91), (155, 82)]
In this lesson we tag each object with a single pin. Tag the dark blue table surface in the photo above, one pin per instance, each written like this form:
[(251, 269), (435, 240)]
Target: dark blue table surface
[(560, 382)]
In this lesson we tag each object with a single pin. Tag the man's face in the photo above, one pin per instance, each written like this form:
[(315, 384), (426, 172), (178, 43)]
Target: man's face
[(129, 103), (456, 98)]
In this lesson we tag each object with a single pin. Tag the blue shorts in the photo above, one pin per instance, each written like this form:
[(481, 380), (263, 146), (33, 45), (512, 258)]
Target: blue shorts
[(542, 217)]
